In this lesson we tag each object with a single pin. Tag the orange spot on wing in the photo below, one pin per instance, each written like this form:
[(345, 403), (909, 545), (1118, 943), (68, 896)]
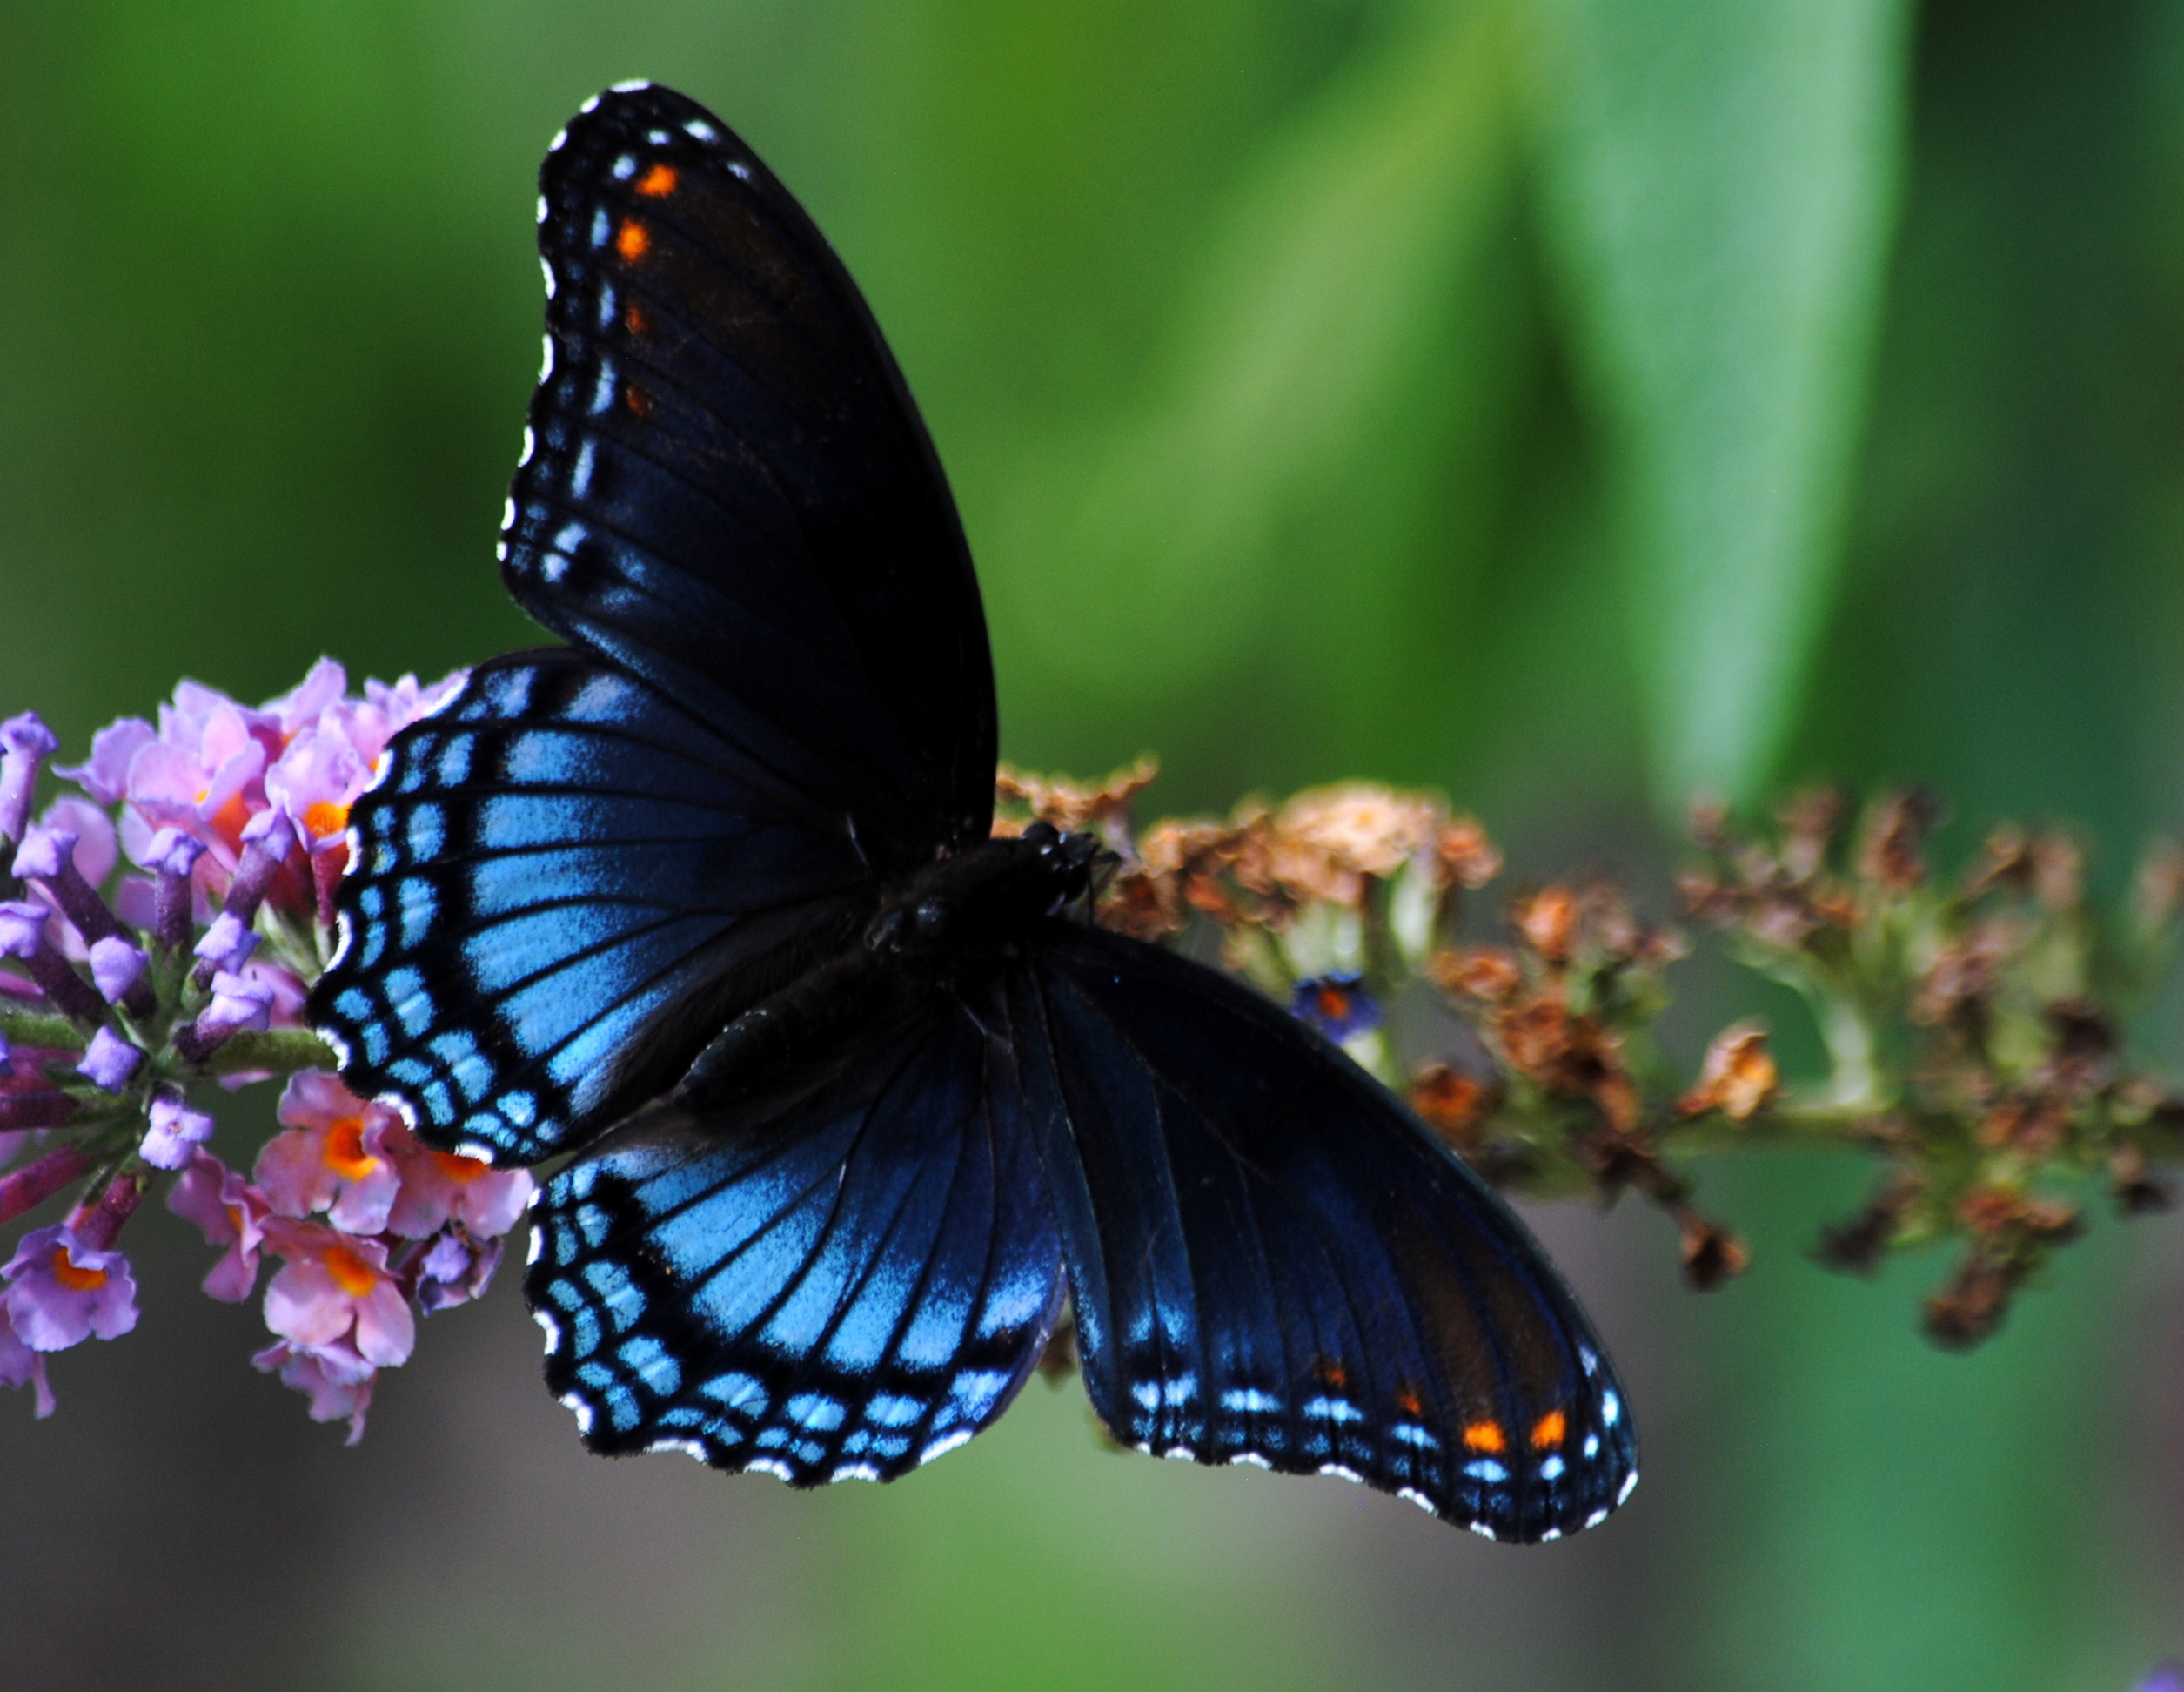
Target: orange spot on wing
[(633, 240), (1407, 1401), (1485, 1436), (635, 320), (657, 183), (1331, 1373), (637, 400), (1547, 1432)]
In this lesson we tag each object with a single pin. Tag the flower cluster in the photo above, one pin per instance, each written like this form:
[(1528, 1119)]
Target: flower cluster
[(159, 930), (1972, 1025)]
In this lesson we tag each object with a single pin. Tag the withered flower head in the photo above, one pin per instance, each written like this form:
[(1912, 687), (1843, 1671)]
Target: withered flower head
[(1327, 842), (1071, 806), (1464, 856), (1711, 1253), (1892, 851), (1452, 1103), (1811, 822), (1548, 922), (1488, 973), (1738, 1075)]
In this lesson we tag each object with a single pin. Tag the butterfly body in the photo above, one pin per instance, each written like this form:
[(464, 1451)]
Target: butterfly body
[(860, 1098)]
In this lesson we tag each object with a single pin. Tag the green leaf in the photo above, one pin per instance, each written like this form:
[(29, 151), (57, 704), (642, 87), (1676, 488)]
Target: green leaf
[(1720, 180)]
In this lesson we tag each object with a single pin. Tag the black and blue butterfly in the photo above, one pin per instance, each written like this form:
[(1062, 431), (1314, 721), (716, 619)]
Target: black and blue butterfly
[(859, 1095)]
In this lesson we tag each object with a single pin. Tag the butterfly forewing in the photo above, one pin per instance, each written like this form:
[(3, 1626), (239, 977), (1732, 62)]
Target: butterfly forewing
[(559, 859), (1272, 1263), (843, 1285), (727, 489)]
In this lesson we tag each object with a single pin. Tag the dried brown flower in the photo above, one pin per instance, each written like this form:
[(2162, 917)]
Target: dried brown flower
[(1893, 850), (1711, 1253), (1738, 1075), (1547, 921), (1452, 1103), (1489, 974)]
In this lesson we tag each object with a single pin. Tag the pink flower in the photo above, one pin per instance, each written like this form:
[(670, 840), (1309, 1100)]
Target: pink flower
[(335, 1286), (337, 1379), (61, 1292), (229, 1213), (333, 749), (440, 1187), (334, 1158), (20, 1366)]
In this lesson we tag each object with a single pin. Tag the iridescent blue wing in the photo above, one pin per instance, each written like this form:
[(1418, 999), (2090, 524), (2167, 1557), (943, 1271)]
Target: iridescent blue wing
[(841, 1283), (1271, 1263), (726, 486), (562, 886)]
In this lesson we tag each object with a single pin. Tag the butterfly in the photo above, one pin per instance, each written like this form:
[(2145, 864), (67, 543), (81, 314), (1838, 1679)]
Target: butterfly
[(860, 1099)]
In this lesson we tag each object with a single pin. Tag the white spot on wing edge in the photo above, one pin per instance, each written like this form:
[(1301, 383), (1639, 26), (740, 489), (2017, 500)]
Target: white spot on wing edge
[(700, 129), (530, 446), (1253, 1459), (1548, 1535), (560, 140), (688, 1447), (1483, 1530), (552, 1328), (477, 1149), (546, 359), (588, 107), (945, 1444), (1630, 1486), (1340, 1473), (576, 1406), (547, 271), (636, 86), (1412, 1496), (531, 1251), (853, 1472), (772, 1466), (543, 213), (1596, 1518)]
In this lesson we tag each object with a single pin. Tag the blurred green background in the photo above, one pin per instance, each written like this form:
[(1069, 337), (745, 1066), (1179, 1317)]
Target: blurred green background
[(1568, 404)]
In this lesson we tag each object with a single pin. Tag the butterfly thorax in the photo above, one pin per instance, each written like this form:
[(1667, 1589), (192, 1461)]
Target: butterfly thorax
[(937, 933)]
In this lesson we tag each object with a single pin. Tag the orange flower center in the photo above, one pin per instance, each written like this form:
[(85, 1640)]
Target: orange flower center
[(351, 1272), (459, 1169), (345, 1153), (326, 819), (73, 1276)]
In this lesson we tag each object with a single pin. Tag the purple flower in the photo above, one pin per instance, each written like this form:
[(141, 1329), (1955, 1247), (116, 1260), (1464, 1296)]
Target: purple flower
[(228, 943), (104, 775), (25, 743), (111, 1060), (337, 1379), (238, 1003), (171, 855), (61, 1292), (229, 1213), (1338, 1005), (23, 934), (455, 1271), (175, 1133), (2165, 1676), (20, 1366), (116, 966)]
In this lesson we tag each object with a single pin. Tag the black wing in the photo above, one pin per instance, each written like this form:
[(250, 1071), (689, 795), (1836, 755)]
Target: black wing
[(842, 1284), (562, 888), (727, 489), (1272, 1263)]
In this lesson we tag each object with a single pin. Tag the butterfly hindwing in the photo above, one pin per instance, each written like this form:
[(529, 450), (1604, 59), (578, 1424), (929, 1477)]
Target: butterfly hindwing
[(1271, 1263), (727, 489), (845, 1285), (554, 861)]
